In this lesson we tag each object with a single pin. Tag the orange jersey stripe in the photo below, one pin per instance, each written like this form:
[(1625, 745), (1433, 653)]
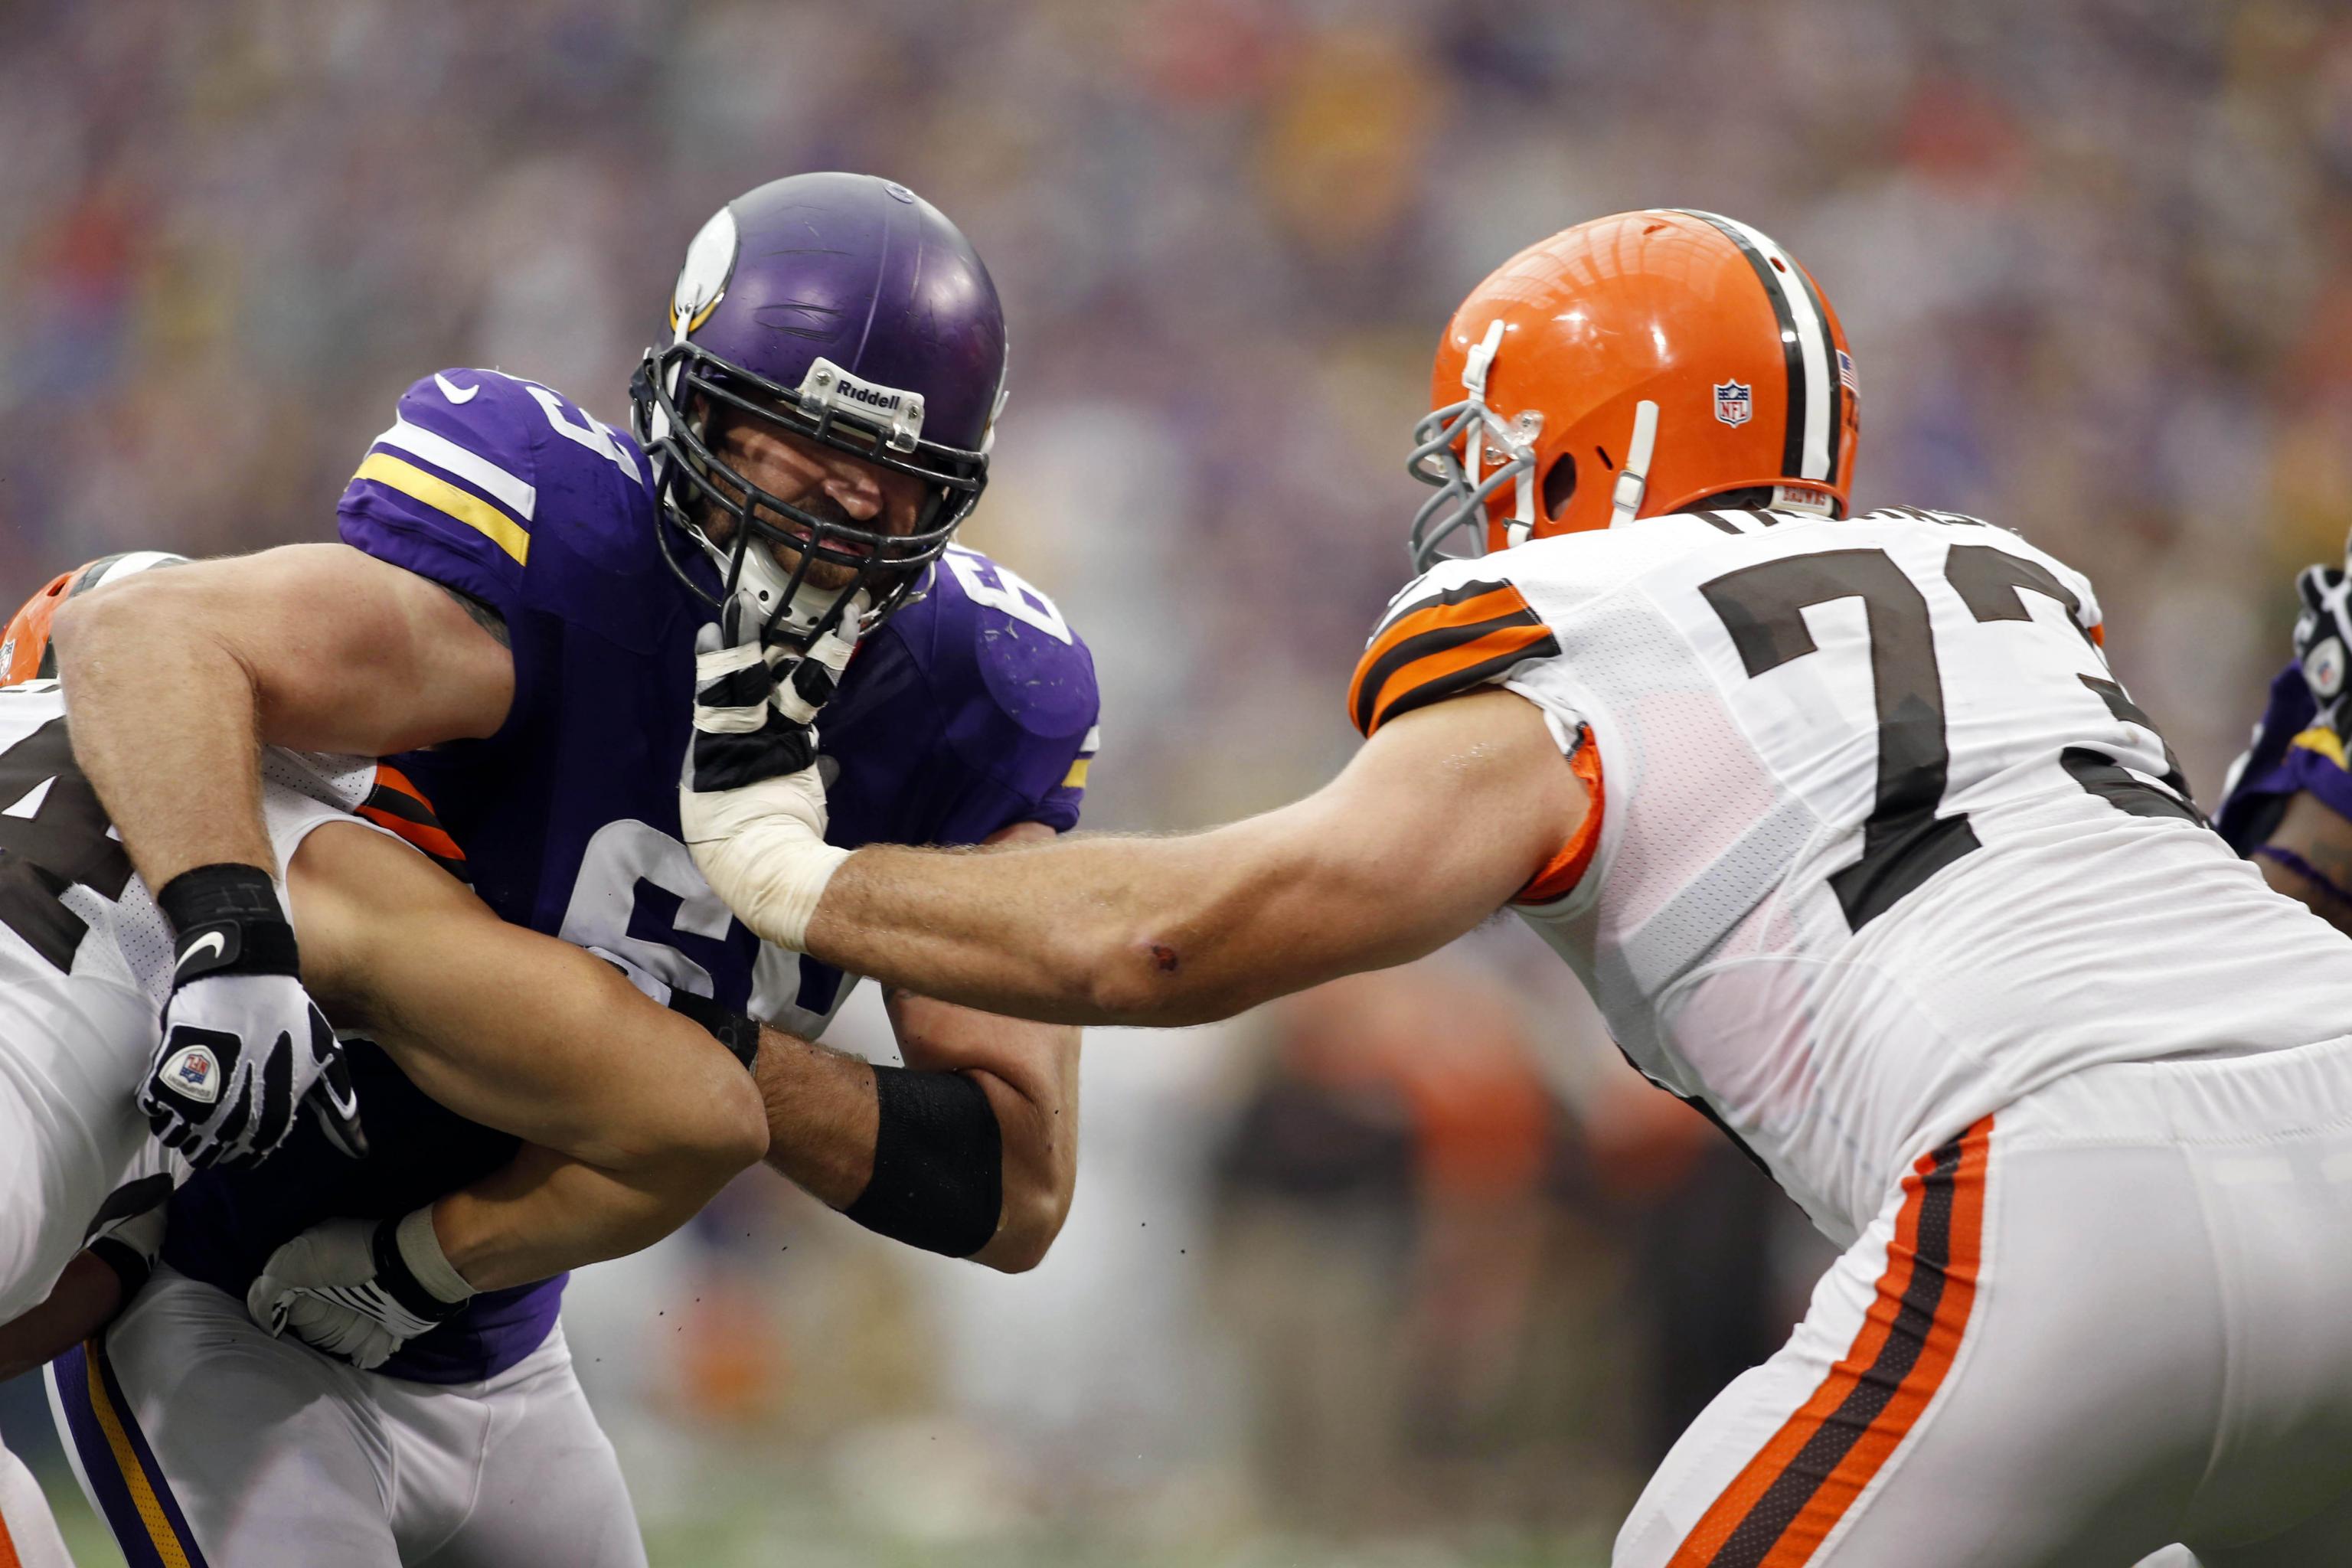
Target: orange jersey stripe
[(389, 777), (1397, 692), (1443, 623), (8, 1558), (1502, 599), (1564, 870), (1825, 1454), (425, 837)]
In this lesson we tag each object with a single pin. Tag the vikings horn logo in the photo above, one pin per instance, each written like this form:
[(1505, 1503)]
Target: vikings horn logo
[(709, 263), (1733, 404)]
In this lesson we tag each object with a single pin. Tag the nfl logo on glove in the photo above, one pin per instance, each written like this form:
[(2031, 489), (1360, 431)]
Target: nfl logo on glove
[(194, 1068), (1733, 405)]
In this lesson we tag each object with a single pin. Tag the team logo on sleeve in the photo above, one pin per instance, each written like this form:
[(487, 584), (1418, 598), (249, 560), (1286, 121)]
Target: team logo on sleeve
[(193, 1072), (1734, 403)]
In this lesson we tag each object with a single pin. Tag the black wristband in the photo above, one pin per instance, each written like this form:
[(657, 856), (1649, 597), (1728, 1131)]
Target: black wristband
[(236, 904), (397, 1280), (739, 1034), (939, 1163)]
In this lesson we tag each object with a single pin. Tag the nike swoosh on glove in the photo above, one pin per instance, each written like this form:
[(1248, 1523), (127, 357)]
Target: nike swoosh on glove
[(359, 1289), (243, 1046), (751, 807)]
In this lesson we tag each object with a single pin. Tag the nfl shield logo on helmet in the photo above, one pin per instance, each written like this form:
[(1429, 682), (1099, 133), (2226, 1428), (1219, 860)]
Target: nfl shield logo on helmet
[(1733, 403), (192, 1073)]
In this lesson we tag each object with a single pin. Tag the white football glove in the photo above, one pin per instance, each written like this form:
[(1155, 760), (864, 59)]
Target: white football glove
[(359, 1289), (243, 1045), (752, 806)]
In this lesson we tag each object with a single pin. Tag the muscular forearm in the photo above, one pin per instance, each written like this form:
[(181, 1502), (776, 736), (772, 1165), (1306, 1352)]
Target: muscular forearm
[(822, 1116), (144, 692), (84, 1300), (825, 1113), (1099, 930), (543, 1212)]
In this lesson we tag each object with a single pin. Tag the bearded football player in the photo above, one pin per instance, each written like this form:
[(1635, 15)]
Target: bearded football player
[(513, 610), (1860, 844)]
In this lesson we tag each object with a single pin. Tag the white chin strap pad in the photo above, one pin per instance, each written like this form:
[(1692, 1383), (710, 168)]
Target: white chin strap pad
[(1634, 478)]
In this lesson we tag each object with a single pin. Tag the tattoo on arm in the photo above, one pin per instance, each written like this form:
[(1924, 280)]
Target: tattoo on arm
[(488, 619)]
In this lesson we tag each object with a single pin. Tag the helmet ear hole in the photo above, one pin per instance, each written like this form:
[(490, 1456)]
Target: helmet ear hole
[(1558, 485)]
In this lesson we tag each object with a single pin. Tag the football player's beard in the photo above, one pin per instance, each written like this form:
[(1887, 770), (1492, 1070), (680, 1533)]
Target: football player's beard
[(822, 574)]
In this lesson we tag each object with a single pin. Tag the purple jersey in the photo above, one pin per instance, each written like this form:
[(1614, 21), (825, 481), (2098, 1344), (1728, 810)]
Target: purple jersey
[(2293, 753), (971, 709)]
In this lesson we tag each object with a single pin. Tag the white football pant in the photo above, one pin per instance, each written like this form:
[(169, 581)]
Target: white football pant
[(195, 1432), (2108, 1318)]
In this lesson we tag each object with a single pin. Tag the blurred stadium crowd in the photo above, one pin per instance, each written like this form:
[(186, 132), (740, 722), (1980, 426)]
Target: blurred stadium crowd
[(1411, 1259)]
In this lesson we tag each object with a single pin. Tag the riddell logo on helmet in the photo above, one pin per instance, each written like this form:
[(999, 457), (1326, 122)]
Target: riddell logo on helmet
[(873, 397)]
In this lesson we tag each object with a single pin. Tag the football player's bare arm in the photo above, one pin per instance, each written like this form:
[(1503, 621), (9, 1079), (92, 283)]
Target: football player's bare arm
[(1442, 817), (532, 1037), (824, 1110), (84, 1300), (2316, 867), (175, 678), (1029, 1073)]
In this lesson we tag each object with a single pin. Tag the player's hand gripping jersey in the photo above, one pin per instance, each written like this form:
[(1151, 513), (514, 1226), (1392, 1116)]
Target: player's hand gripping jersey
[(971, 709), (1881, 844)]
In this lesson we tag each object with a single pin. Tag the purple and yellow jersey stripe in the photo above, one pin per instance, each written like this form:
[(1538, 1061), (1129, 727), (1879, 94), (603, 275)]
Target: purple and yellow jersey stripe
[(2293, 753), (452, 470), (114, 1463)]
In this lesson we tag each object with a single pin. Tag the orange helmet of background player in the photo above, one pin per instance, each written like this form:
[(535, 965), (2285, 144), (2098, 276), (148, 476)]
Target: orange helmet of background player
[(25, 652), (1630, 367)]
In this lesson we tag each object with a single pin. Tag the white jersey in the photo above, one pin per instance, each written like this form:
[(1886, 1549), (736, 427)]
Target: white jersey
[(85, 964), (1883, 845), (64, 875)]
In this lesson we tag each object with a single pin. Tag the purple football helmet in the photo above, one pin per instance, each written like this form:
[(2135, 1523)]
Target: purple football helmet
[(847, 309)]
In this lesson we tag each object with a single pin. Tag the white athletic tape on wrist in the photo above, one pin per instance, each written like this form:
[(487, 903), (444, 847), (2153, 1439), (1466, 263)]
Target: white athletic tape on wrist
[(420, 1248), (763, 850)]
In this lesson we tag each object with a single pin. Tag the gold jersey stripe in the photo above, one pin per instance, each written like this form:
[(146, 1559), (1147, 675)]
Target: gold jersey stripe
[(444, 496), (2321, 739), (160, 1533), (1076, 777)]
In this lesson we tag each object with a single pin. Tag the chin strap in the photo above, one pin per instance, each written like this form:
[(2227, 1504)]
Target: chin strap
[(1634, 478)]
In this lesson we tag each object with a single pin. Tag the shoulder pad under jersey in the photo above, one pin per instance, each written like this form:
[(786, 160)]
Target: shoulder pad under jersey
[(475, 465), (1012, 681)]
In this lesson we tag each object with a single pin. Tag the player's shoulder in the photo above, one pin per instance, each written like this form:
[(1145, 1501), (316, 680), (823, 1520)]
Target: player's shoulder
[(990, 643), (483, 475)]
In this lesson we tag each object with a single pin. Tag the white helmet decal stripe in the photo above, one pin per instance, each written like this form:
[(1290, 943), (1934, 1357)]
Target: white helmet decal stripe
[(1815, 388)]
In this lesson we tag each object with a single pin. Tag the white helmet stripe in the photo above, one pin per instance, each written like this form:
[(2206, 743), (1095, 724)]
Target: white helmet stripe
[(1813, 389)]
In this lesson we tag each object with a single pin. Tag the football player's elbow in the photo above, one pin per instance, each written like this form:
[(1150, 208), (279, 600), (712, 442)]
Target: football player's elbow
[(1035, 1208), (86, 629)]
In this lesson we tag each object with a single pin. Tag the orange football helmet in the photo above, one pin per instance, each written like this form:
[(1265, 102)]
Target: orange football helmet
[(25, 653), (1630, 367)]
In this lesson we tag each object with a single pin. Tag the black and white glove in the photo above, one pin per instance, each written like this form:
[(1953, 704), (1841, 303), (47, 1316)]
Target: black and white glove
[(751, 804), (243, 1045), (359, 1289), (2323, 638)]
